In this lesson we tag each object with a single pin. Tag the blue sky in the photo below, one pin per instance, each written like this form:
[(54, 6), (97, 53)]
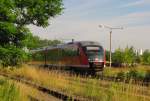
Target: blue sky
[(80, 20)]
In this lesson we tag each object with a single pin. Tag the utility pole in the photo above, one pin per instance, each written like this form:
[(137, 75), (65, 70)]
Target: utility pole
[(110, 40), (110, 50)]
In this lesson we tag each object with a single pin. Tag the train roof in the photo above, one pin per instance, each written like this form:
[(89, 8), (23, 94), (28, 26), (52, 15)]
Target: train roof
[(86, 43), (83, 43), (89, 43)]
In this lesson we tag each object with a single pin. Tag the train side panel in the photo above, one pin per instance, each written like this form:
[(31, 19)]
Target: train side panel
[(63, 56), (73, 55)]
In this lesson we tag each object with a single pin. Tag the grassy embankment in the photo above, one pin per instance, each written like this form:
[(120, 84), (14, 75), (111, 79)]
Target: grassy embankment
[(140, 73), (84, 88), (9, 91), (115, 70)]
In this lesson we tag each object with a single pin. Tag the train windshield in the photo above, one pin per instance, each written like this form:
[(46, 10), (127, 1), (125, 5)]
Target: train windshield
[(95, 53)]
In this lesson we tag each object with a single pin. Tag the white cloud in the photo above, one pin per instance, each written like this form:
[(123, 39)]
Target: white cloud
[(132, 19), (137, 3), (68, 26), (137, 36)]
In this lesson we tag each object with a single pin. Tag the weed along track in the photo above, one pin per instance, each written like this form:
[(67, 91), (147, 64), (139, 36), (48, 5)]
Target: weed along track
[(77, 88), (106, 86), (54, 93), (115, 78), (25, 92)]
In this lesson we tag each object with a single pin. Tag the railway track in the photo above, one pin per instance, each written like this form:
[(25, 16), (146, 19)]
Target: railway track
[(102, 77), (60, 95), (107, 78), (83, 81), (144, 92)]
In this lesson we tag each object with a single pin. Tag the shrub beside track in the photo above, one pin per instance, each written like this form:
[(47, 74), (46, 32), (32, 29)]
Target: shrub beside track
[(57, 94), (81, 88)]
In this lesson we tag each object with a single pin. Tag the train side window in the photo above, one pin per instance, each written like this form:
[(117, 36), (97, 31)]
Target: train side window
[(78, 52)]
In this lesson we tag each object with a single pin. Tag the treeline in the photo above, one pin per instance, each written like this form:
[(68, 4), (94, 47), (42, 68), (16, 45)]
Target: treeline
[(33, 42), (128, 57), (15, 16), (10, 55)]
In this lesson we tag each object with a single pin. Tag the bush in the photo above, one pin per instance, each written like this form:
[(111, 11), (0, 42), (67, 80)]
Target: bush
[(12, 56), (132, 74), (126, 57), (117, 57), (121, 75), (145, 58), (147, 76)]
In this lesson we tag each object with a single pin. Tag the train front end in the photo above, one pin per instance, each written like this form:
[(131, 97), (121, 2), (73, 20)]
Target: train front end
[(95, 55)]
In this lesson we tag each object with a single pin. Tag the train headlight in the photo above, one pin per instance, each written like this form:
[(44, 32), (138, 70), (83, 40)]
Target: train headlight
[(96, 59)]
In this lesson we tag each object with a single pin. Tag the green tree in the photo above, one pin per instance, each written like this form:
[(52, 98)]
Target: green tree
[(118, 57), (107, 55), (46, 42), (145, 58), (129, 56), (33, 42), (138, 58), (15, 15)]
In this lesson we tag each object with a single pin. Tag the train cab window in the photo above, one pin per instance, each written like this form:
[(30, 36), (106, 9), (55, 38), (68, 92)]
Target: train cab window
[(94, 53)]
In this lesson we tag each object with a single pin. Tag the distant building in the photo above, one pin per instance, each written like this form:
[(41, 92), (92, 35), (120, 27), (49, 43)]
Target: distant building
[(139, 51)]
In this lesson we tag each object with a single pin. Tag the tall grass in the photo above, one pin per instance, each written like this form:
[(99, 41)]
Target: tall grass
[(114, 71), (84, 88), (8, 91)]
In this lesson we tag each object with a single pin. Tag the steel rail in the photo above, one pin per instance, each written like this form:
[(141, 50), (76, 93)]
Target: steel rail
[(59, 95)]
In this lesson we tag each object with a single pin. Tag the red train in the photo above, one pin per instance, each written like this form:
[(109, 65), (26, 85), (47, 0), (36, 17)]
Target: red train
[(82, 55)]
